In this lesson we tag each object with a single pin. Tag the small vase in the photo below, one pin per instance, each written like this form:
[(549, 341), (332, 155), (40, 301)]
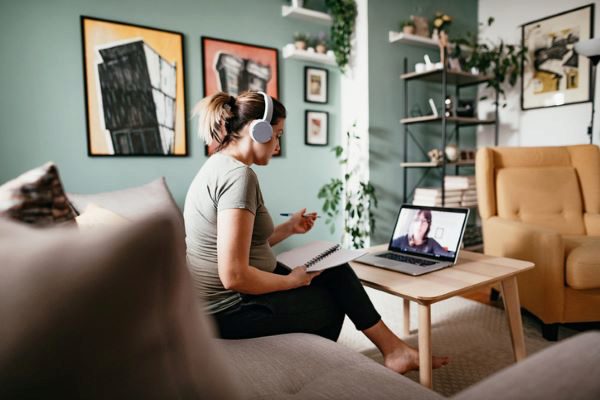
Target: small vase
[(408, 30), (300, 44), (298, 3), (321, 49), (435, 35)]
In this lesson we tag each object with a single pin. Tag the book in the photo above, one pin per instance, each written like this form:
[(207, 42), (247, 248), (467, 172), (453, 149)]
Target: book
[(318, 255), (436, 203), (436, 191)]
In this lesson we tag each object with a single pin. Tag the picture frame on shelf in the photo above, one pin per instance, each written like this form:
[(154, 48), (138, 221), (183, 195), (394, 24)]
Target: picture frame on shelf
[(235, 67), (555, 74), (134, 82), (316, 128), (316, 85)]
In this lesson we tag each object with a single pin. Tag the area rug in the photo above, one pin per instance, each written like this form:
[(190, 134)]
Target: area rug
[(474, 335)]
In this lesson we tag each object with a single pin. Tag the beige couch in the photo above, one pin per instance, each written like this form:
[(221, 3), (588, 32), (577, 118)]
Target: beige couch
[(110, 313), (542, 204)]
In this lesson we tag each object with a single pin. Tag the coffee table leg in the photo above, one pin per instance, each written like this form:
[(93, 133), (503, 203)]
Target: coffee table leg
[(425, 375), (510, 296), (406, 312)]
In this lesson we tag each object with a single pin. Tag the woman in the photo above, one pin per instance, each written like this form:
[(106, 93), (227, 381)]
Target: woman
[(418, 240), (229, 235)]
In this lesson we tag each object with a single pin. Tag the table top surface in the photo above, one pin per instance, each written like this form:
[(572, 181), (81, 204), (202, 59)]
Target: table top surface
[(472, 270)]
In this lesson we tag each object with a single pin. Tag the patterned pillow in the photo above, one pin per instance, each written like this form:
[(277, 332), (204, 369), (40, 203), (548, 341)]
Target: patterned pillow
[(36, 197)]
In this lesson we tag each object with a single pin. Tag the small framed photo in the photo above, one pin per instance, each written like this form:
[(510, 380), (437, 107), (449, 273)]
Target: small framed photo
[(316, 131), (315, 85)]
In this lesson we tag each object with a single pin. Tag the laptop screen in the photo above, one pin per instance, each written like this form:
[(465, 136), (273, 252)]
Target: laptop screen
[(432, 232)]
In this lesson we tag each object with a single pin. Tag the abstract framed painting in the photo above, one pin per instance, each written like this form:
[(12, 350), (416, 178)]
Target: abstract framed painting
[(316, 128), (235, 67), (134, 89), (555, 74)]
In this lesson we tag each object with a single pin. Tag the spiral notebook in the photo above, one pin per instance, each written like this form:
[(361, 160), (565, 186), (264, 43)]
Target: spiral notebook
[(318, 256)]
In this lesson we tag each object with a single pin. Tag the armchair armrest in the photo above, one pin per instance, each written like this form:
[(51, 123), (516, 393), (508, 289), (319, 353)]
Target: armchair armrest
[(542, 288)]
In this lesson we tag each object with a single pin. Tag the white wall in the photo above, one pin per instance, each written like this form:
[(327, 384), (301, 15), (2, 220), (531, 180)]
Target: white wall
[(552, 126)]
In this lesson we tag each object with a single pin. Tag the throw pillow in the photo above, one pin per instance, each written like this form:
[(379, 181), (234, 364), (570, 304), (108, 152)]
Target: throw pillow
[(134, 203), (97, 217), (36, 197), (114, 317)]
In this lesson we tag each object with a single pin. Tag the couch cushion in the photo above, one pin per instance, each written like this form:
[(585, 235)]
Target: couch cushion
[(112, 317), (36, 197), (548, 197), (303, 366), (583, 263)]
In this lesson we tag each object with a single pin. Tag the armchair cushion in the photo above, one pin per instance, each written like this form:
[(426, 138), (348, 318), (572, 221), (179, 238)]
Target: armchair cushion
[(548, 197), (583, 265)]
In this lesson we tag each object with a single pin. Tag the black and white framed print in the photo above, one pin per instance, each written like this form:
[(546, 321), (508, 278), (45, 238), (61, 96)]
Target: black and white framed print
[(134, 89), (556, 74), (315, 85), (316, 128)]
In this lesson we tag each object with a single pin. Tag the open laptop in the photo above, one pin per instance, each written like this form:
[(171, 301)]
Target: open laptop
[(425, 239)]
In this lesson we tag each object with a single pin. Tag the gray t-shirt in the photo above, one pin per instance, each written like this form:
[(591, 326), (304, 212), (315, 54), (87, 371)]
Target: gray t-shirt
[(223, 183)]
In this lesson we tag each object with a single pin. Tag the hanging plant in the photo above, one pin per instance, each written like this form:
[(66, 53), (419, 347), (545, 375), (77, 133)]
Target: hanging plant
[(343, 14)]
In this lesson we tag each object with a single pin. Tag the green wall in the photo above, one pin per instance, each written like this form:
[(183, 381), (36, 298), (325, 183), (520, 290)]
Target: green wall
[(386, 98), (42, 114)]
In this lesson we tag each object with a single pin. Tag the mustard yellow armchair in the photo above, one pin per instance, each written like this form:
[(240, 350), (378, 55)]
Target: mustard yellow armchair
[(542, 204)]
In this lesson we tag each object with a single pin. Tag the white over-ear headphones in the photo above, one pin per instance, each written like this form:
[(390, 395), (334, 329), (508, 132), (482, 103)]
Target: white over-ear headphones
[(261, 130)]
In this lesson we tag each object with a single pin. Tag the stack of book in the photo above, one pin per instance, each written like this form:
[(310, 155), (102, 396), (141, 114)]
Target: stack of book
[(460, 192), (467, 185), (433, 197)]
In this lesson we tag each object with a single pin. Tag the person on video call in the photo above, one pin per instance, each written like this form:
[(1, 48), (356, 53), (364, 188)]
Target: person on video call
[(417, 239)]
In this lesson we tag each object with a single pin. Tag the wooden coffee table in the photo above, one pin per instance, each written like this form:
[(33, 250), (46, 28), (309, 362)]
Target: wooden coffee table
[(472, 270)]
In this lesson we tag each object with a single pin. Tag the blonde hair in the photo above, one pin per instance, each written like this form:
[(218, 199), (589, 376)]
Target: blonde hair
[(221, 117)]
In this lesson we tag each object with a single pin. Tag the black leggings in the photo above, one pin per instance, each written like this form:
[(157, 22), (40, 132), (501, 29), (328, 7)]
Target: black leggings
[(318, 308)]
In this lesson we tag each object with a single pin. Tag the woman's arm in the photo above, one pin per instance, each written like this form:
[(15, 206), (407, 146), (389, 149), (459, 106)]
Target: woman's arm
[(281, 232), (299, 222), (233, 252)]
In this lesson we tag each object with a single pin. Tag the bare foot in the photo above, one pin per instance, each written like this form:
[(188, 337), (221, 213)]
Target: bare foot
[(406, 359)]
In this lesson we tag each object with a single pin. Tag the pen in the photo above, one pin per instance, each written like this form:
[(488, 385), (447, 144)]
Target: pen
[(290, 214)]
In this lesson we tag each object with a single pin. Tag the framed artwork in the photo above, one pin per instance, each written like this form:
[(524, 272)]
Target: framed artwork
[(134, 89), (555, 74), (316, 128), (315, 85), (234, 67)]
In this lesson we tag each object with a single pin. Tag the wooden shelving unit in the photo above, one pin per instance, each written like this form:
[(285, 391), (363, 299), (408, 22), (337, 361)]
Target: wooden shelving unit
[(304, 14)]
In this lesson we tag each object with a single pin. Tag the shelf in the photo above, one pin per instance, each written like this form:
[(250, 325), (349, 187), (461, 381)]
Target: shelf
[(293, 53), (304, 14), (431, 164), (463, 121), (458, 78), (404, 38)]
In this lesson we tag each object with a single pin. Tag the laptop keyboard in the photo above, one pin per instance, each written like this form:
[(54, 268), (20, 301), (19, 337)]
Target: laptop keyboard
[(409, 260)]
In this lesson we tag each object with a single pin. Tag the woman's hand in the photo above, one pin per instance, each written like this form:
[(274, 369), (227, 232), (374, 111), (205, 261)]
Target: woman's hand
[(299, 277), (301, 222)]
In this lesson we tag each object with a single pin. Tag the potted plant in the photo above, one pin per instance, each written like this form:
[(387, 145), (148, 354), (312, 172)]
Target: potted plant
[(321, 43), (407, 27), (343, 15), (503, 62), (339, 195), (300, 40)]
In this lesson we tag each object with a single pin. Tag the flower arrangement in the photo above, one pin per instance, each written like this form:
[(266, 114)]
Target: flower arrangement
[(441, 21)]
